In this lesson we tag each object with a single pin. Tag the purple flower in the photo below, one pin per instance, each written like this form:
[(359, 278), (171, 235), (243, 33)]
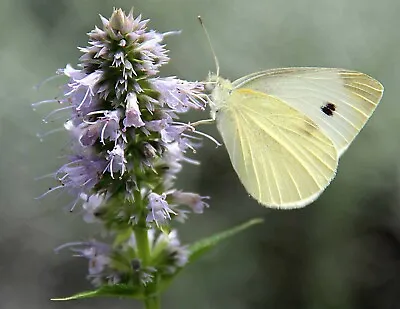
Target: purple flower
[(132, 113), (90, 134), (157, 125), (159, 211), (179, 95), (98, 255), (117, 161), (91, 205), (81, 87), (193, 200), (172, 159), (105, 127), (82, 173), (172, 133), (125, 29)]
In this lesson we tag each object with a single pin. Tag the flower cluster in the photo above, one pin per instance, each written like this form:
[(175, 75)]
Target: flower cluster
[(122, 264), (127, 146)]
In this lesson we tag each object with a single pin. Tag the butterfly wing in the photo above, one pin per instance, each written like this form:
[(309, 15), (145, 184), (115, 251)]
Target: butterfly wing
[(338, 101), (281, 156)]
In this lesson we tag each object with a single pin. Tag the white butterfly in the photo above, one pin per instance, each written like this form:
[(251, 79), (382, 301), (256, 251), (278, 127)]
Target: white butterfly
[(285, 129)]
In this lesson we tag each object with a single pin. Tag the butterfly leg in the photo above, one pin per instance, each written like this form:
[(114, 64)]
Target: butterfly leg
[(204, 121)]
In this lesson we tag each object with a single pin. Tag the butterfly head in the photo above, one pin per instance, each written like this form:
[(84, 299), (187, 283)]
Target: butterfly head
[(220, 89)]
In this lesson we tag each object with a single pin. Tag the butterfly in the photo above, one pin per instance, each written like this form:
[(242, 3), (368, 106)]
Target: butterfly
[(285, 129)]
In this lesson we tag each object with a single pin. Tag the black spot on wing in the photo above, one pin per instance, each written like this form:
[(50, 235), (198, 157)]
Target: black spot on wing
[(328, 108)]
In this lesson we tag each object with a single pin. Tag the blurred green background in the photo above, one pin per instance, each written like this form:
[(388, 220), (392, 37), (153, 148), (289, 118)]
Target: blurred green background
[(343, 251)]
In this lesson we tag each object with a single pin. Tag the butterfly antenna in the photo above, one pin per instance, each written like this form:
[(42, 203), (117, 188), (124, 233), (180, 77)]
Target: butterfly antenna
[(209, 43)]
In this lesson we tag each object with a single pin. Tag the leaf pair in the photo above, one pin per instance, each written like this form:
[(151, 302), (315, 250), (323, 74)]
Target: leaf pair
[(196, 250)]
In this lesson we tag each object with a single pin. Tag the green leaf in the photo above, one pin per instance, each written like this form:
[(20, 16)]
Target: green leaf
[(196, 250), (118, 290), (202, 246)]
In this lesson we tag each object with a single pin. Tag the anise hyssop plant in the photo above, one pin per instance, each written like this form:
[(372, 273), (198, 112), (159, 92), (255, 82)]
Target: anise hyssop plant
[(127, 147)]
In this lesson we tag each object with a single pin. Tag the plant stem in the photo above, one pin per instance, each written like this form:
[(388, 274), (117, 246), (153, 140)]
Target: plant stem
[(141, 232), (152, 302), (143, 246)]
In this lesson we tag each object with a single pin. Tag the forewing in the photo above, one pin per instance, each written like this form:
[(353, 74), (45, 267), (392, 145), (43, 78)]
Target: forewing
[(281, 156), (338, 101)]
